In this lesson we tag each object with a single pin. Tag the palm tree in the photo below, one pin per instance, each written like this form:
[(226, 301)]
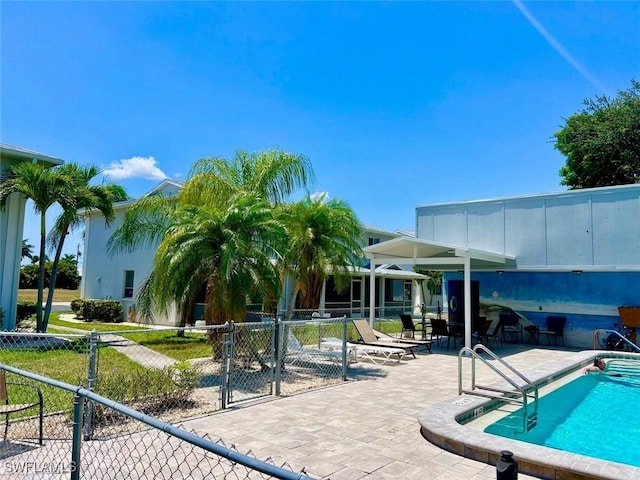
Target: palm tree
[(44, 187), (227, 248), (323, 239), (27, 250), (207, 213), (83, 196)]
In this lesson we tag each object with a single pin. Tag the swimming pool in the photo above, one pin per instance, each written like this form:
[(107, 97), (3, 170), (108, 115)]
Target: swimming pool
[(457, 426), (593, 415)]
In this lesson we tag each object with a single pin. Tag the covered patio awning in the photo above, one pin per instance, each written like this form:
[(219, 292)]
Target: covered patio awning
[(436, 256)]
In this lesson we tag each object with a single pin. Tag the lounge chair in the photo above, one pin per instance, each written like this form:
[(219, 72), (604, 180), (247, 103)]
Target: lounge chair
[(409, 326), (383, 337), (309, 354), (375, 354), (368, 337)]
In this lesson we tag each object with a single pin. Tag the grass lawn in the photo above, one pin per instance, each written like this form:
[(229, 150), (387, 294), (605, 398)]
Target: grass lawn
[(54, 320), (192, 345), (59, 295), (68, 364)]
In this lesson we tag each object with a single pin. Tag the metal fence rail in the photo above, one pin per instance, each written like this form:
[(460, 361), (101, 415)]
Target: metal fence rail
[(152, 449), (178, 373)]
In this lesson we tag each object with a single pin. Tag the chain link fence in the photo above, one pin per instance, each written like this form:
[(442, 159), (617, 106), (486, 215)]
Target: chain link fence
[(149, 449), (178, 373)]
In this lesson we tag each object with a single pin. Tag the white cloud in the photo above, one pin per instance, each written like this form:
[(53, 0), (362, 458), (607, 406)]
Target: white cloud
[(320, 196), (143, 167)]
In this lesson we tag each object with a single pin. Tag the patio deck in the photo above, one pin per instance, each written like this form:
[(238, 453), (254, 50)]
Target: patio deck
[(368, 427)]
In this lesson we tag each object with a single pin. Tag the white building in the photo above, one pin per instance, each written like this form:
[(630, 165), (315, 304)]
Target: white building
[(119, 276), (11, 231), (574, 253)]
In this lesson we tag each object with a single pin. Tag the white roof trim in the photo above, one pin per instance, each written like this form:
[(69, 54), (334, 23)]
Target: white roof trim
[(441, 256)]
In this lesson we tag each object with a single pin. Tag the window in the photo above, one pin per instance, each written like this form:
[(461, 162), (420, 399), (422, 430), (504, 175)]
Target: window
[(128, 284), (373, 241)]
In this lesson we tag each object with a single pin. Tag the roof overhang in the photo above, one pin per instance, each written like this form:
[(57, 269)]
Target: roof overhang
[(19, 154), (436, 256)]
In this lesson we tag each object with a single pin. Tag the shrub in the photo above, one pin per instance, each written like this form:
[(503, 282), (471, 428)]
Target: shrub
[(25, 310), (99, 310), (149, 391)]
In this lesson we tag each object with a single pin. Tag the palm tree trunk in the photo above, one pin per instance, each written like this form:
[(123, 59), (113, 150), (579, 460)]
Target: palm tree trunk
[(52, 280), (43, 236), (291, 303)]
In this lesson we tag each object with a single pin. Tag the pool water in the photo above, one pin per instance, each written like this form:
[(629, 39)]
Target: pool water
[(595, 415)]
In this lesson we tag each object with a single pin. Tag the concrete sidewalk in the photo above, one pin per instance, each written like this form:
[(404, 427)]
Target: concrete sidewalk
[(366, 428)]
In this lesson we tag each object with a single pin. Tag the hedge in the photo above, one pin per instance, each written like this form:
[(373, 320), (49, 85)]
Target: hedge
[(99, 310)]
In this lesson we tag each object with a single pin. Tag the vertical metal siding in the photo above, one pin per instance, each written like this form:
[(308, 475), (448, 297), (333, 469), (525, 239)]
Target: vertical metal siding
[(616, 230), (525, 231), (569, 231), (486, 227)]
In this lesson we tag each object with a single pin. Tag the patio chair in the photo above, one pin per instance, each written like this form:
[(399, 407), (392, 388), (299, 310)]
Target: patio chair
[(409, 327), (510, 323), (368, 337), (490, 332), (383, 337), (554, 328), (7, 408), (440, 330)]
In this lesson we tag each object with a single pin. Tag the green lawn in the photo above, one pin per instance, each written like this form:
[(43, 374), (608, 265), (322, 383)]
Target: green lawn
[(192, 345), (89, 326), (68, 364)]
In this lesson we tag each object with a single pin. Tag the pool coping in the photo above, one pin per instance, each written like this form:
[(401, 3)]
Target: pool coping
[(440, 424)]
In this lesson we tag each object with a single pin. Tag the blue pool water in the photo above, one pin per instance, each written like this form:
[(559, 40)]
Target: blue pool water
[(594, 415)]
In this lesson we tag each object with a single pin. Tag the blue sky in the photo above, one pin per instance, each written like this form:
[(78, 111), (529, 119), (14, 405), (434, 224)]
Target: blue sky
[(395, 104)]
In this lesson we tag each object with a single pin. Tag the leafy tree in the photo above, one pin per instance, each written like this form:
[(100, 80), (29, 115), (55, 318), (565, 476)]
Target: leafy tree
[(44, 187), (80, 194), (27, 250), (602, 142), (223, 202), (67, 274), (323, 239)]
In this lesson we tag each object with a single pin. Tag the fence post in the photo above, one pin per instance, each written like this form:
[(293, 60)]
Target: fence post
[(78, 404), (225, 374), (91, 381), (278, 363), (345, 354)]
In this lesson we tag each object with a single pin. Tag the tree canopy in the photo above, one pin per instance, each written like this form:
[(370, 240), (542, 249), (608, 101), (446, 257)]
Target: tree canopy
[(602, 142), (231, 232)]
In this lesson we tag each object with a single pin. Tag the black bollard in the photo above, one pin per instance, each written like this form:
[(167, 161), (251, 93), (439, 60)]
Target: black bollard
[(507, 467)]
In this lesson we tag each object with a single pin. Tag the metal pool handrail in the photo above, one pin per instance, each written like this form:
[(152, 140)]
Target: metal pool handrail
[(528, 421), (596, 345)]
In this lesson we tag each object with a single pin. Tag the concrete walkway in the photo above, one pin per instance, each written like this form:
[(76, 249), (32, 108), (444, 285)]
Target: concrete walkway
[(366, 428), (137, 353)]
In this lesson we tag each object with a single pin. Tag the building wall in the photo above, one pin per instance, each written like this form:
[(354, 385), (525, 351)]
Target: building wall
[(592, 228), (577, 253), (11, 228)]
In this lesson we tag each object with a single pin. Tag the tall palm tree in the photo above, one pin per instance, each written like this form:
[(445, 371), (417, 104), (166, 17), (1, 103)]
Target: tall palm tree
[(44, 187), (217, 194), (80, 195), (324, 237)]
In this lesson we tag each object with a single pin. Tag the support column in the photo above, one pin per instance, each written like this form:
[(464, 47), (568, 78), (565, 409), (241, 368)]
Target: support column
[(467, 301), (372, 293)]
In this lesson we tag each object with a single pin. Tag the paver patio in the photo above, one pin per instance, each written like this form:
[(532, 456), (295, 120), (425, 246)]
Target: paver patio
[(365, 428)]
